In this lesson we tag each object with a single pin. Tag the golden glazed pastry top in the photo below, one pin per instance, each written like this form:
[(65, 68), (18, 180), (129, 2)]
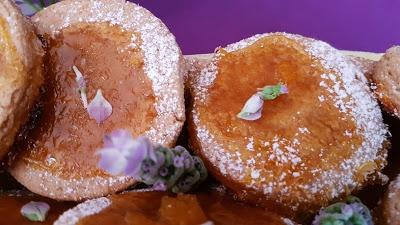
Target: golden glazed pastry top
[(322, 140)]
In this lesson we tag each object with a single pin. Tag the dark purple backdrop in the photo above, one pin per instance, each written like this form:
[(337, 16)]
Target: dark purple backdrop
[(202, 25)]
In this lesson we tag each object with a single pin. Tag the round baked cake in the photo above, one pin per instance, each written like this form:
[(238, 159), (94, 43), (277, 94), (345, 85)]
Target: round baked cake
[(321, 140), (149, 208), (109, 65), (391, 204), (387, 78), (21, 72)]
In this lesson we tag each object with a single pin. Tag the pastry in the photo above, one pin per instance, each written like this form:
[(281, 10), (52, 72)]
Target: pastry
[(387, 77), (151, 208), (110, 65), (391, 204), (366, 66), (322, 140), (21, 72)]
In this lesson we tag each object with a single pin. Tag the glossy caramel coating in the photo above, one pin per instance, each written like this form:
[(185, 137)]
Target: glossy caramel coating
[(157, 208), (21, 57), (124, 57), (309, 145)]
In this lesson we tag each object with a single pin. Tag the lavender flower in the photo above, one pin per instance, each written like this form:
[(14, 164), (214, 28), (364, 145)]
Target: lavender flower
[(123, 154), (254, 105), (99, 108), (351, 212), (252, 108), (35, 211), (162, 168)]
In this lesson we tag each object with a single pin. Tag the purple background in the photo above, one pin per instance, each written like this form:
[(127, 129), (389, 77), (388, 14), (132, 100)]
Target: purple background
[(202, 25)]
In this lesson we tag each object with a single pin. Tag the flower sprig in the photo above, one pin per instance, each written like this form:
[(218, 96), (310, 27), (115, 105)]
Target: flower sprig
[(350, 212), (172, 169), (253, 107)]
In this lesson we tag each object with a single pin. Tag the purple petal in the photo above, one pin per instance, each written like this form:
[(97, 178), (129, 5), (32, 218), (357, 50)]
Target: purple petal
[(35, 211), (26, 8), (250, 116), (81, 86), (253, 104), (118, 139), (99, 108), (135, 159), (347, 211), (112, 160), (80, 80), (159, 185), (145, 142), (284, 89)]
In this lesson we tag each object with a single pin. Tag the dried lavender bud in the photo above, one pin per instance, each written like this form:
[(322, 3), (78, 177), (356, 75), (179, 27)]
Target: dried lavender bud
[(199, 165), (187, 182), (351, 212), (252, 109), (162, 168)]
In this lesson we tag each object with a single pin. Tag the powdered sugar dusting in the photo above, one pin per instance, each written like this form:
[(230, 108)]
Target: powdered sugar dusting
[(347, 88), (90, 207), (69, 188)]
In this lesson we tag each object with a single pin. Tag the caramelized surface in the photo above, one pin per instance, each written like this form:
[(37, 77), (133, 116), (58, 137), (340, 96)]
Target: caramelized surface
[(294, 126), (10, 207), (156, 208), (64, 139)]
